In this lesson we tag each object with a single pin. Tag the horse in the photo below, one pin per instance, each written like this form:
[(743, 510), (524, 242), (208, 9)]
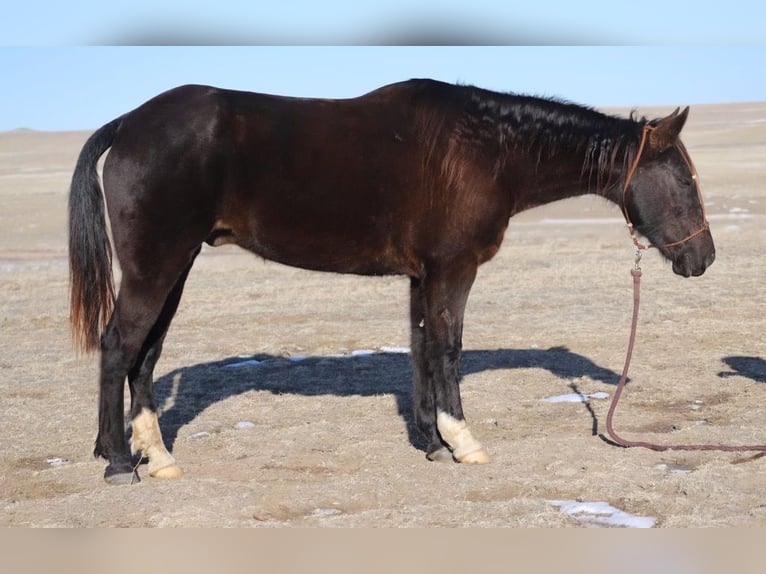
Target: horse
[(417, 178)]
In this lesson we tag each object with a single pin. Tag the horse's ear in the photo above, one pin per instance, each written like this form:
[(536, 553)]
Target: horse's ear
[(666, 130)]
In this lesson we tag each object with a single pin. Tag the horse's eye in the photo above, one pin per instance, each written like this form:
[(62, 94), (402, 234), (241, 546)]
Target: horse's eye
[(685, 181)]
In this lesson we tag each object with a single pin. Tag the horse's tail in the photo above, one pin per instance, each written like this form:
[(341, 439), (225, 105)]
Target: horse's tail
[(91, 282)]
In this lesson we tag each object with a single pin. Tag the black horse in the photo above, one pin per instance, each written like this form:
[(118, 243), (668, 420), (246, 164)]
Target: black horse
[(417, 178)]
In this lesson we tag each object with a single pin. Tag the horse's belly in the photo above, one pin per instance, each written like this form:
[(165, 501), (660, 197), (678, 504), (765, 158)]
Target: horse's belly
[(328, 252)]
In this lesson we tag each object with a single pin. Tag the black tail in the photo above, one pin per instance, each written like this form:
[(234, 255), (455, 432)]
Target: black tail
[(91, 282)]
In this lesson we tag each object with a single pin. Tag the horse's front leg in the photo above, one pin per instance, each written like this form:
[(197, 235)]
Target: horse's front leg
[(423, 396), (445, 293)]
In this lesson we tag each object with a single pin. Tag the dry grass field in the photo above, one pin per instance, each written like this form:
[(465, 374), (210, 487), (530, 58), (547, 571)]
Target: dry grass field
[(318, 432)]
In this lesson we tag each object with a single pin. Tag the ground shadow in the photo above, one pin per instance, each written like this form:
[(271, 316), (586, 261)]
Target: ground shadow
[(750, 367), (196, 387)]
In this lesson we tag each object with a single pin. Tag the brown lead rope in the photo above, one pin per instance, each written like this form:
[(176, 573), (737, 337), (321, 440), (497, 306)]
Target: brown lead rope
[(636, 272)]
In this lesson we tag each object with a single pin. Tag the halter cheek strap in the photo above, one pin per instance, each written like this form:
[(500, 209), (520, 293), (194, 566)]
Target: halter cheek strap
[(629, 176)]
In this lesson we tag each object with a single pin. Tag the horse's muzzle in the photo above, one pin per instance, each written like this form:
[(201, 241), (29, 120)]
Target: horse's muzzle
[(690, 263)]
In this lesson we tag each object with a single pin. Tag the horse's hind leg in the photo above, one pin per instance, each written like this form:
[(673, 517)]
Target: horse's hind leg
[(110, 442), (124, 348), (445, 293), (146, 438)]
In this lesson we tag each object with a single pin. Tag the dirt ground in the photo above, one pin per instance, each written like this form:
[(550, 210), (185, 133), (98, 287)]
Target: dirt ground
[(320, 434)]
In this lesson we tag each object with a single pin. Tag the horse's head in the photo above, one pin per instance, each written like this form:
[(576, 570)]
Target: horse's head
[(662, 199)]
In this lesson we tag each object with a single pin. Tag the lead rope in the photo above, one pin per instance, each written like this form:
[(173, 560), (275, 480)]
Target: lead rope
[(636, 273)]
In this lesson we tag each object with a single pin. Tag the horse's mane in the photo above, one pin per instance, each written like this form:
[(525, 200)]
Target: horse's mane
[(547, 127)]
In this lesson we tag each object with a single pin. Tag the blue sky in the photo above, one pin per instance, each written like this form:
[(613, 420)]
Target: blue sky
[(41, 22), (79, 63), (65, 88)]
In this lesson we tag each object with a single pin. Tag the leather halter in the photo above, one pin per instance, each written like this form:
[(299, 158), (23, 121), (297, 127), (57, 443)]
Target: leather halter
[(629, 176)]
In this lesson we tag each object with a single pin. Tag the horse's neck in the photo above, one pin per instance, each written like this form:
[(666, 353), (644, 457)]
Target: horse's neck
[(537, 181), (593, 167)]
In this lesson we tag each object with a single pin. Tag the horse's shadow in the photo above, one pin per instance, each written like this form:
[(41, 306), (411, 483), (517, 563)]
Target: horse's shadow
[(190, 390), (750, 367)]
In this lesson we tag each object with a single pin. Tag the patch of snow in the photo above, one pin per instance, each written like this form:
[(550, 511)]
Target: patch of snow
[(575, 397), (244, 425), (325, 512), (56, 461), (247, 363), (362, 353), (602, 514), (672, 468), (402, 350)]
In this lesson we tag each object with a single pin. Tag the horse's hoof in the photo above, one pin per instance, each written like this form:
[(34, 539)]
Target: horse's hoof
[(440, 455), (476, 457), (170, 471), (120, 476)]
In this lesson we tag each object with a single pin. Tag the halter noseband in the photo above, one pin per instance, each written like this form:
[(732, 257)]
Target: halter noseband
[(629, 176)]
